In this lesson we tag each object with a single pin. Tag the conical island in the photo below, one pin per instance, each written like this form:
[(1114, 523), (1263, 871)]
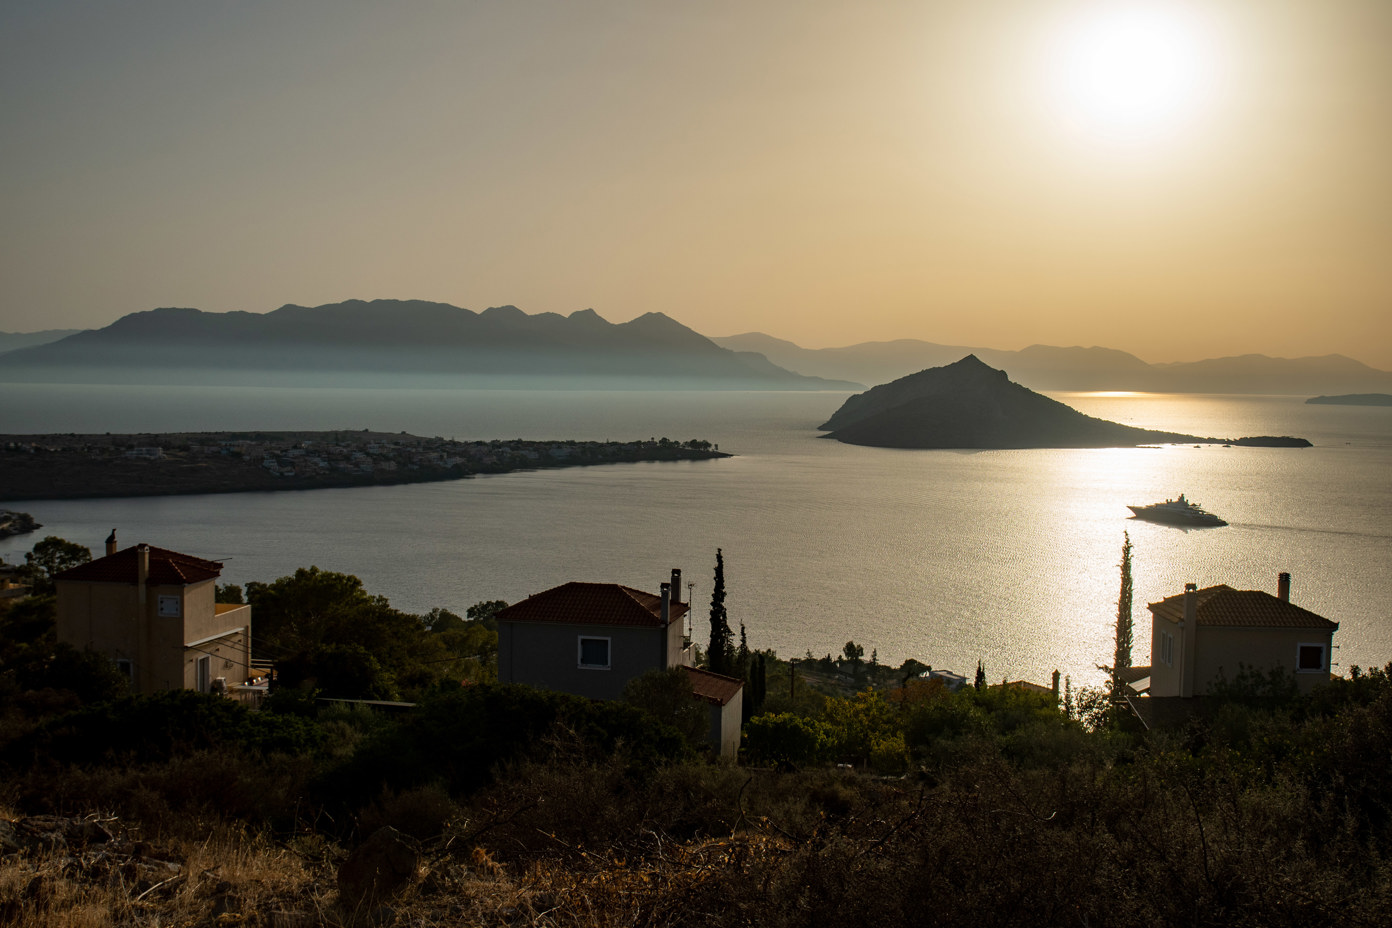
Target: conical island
[(969, 404)]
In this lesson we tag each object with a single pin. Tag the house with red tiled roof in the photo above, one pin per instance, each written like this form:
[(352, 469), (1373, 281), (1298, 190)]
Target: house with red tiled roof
[(153, 612), (724, 699), (1199, 637), (591, 639)]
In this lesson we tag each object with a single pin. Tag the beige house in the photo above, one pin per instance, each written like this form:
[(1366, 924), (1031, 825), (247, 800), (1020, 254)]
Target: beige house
[(152, 611), (724, 698), (1201, 636), (590, 639)]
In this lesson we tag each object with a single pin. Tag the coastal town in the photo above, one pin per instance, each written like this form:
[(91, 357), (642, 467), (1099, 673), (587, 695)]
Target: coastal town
[(77, 466)]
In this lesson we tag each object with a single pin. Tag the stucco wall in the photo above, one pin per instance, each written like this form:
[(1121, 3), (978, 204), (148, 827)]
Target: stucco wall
[(1225, 650), (1164, 678), (546, 656), (725, 724), (110, 619), (676, 640), (200, 610)]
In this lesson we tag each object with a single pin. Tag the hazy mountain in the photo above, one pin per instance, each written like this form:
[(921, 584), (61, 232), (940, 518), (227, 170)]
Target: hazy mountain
[(969, 404), (1042, 367), (10, 341), (385, 340), (1256, 373)]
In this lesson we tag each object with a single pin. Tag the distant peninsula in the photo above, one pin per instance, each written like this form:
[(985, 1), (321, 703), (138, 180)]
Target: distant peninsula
[(396, 343), (1352, 399), (169, 464), (968, 404), (16, 523)]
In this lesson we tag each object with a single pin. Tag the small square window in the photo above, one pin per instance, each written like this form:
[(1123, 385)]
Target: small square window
[(594, 653), (169, 605), (1310, 658)]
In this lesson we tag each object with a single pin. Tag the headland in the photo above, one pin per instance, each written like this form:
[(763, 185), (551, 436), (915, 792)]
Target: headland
[(170, 464)]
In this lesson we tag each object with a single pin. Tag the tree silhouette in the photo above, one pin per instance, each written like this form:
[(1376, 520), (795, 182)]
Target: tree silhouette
[(720, 656), (1124, 624), (52, 556)]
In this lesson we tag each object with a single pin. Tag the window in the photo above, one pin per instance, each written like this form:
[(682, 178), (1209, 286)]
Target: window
[(170, 605), (203, 674), (1310, 658), (594, 653), (126, 668), (1167, 648)]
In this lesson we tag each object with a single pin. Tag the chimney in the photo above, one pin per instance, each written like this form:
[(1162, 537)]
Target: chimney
[(1056, 687), (666, 603), (1191, 604), (111, 543), (676, 585), (1283, 587), (142, 570)]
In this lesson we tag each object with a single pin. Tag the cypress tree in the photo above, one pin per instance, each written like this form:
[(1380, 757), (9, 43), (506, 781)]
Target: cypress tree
[(1124, 625), (720, 655)]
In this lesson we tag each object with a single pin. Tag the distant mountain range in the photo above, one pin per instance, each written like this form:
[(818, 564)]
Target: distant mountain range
[(388, 341), (968, 404), (1042, 367), (391, 342), (10, 341)]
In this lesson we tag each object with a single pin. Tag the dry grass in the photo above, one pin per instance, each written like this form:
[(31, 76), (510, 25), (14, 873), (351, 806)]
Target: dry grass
[(231, 878), (225, 878)]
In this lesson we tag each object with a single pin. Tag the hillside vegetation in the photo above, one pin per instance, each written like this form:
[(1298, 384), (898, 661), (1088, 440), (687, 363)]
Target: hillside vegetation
[(890, 805)]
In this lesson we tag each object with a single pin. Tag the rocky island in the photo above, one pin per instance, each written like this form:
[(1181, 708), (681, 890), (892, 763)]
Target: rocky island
[(1352, 399), (969, 404), (168, 464)]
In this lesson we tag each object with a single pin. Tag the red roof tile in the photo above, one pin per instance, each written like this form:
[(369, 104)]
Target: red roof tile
[(713, 688), (577, 603), (1222, 605), (167, 568)]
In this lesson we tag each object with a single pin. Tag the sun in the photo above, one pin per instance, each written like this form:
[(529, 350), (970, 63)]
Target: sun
[(1130, 71)]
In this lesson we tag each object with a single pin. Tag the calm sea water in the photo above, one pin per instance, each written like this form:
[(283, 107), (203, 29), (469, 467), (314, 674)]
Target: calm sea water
[(1009, 557)]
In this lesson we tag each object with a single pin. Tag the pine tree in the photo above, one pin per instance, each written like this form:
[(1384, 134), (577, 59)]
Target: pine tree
[(980, 682), (720, 655), (1124, 625)]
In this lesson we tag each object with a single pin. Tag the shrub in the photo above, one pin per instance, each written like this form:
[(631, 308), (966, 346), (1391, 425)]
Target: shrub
[(163, 726), (785, 738)]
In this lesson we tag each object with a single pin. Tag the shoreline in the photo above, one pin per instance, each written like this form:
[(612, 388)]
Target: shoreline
[(114, 466)]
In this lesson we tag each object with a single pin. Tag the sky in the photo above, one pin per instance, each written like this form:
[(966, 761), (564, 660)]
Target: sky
[(1180, 180)]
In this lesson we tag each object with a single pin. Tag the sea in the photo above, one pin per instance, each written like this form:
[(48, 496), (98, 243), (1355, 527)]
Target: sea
[(1009, 558)]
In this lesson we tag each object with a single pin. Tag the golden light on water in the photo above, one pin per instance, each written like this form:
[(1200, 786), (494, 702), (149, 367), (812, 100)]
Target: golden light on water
[(1112, 394)]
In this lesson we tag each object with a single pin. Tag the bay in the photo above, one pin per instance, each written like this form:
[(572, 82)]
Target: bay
[(1007, 557)]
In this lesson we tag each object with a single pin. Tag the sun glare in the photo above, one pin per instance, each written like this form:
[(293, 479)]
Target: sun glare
[(1128, 71)]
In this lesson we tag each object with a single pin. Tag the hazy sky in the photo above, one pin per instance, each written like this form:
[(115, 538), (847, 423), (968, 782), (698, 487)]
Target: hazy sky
[(1179, 180)]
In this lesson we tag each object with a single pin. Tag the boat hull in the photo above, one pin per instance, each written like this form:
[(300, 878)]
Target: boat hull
[(1177, 517)]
